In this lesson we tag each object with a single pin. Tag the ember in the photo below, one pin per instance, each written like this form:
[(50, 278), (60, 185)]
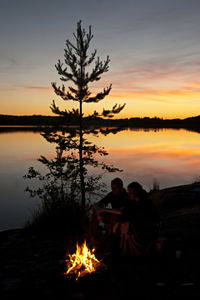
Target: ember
[(82, 262)]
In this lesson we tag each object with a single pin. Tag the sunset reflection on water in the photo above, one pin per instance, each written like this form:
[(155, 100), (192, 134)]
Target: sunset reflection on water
[(170, 156)]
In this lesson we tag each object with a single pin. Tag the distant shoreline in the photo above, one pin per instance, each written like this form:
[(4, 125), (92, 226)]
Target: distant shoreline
[(37, 122)]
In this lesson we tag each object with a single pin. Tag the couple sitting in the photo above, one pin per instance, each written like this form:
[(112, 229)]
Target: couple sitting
[(133, 218)]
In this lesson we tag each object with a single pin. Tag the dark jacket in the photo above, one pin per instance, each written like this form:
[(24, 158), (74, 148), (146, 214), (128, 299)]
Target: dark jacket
[(143, 213), (116, 201)]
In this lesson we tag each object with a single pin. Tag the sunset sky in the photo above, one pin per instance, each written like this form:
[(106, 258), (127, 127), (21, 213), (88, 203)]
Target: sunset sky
[(154, 47)]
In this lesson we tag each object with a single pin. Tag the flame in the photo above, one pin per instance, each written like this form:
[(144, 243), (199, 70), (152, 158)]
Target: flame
[(82, 262)]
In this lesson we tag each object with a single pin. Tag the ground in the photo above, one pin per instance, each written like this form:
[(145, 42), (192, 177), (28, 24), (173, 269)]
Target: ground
[(33, 263)]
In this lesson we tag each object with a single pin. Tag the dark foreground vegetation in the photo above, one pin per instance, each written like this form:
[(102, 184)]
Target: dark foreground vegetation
[(32, 259)]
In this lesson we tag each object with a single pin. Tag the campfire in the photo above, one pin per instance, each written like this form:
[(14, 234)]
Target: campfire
[(82, 262)]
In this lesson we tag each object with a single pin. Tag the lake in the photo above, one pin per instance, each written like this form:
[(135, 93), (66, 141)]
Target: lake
[(171, 156)]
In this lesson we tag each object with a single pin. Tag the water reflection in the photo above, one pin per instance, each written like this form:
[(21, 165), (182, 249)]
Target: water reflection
[(171, 156)]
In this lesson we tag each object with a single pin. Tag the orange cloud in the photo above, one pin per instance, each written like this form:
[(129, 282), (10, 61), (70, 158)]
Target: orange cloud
[(172, 85), (39, 88)]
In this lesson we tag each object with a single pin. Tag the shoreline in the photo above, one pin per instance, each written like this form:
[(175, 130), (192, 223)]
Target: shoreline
[(171, 201), (34, 262), (39, 128)]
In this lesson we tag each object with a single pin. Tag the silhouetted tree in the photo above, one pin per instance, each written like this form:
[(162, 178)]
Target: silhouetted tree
[(77, 61)]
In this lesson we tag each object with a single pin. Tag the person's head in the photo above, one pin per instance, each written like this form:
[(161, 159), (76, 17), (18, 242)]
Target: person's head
[(135, 191), (117, 186)]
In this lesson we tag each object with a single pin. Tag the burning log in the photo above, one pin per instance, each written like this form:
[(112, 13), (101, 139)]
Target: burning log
[(83, 262)]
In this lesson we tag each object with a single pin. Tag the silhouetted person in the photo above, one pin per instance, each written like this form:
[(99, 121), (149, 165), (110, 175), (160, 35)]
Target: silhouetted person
[(139, 222), (118, 199)]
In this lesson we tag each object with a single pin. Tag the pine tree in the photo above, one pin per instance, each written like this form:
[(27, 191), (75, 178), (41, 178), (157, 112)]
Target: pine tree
[(77, 61)]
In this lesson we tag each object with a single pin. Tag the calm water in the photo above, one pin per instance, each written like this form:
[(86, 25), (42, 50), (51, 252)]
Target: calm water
[(170, 156)]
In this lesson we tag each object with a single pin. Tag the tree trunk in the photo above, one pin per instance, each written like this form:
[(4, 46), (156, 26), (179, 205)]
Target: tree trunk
[(81, 138), (81, 161)]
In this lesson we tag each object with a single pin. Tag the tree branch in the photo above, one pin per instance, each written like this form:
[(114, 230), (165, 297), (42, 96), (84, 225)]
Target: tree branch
[(99, 96), (61, 92)]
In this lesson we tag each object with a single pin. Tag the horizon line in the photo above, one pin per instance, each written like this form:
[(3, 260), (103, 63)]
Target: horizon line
[(161, 118)]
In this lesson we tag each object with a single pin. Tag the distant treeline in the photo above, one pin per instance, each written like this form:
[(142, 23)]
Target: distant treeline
[(192, 123)]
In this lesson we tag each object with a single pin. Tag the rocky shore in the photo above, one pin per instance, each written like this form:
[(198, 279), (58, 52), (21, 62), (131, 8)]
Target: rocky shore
[(33, 264)]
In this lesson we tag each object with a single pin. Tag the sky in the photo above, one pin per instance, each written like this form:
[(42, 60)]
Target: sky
[(153, 45)]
